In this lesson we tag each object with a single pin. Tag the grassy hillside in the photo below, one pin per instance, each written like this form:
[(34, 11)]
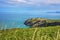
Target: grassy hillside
[(36, 33), (43, 33)]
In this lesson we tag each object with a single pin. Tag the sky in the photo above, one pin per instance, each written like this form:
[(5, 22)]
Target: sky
[(29, 6)]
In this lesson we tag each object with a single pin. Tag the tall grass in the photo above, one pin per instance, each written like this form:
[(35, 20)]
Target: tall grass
[(4, 26), (44, 33)]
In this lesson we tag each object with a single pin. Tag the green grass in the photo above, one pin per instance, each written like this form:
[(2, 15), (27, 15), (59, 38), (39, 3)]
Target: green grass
[(43, 33)]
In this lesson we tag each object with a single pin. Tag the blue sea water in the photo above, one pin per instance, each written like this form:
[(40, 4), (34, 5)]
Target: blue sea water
[(16, 20)]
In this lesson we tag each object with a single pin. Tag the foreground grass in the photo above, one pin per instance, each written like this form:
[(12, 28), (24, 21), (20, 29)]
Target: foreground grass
[(43, 33)]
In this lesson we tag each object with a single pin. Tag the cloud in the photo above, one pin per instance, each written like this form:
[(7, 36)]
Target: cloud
[(30, 2), (36, 1)]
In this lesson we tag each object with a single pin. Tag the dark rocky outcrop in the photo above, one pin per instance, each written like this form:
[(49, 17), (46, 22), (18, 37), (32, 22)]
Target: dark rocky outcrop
[(53, 24), (35, 22), (38, 22)]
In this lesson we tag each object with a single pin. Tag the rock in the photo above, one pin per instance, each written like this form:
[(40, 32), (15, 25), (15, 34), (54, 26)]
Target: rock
[(53, 24), (38, 22), (35, 22)]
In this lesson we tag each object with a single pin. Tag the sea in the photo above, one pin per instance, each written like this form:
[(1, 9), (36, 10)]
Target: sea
[(16, 20)]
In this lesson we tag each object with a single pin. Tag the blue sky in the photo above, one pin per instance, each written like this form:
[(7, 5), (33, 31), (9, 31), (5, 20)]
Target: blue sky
[(27, 6)]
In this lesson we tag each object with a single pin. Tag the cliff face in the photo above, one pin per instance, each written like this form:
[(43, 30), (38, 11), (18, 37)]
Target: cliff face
[(38, 22)]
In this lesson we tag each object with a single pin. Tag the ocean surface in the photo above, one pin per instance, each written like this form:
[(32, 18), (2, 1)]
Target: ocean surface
[(16, 20)]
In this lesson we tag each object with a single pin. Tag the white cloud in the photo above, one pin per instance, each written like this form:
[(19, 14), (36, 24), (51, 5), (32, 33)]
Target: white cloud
[(17, 1), (32, 2), (35, 2)]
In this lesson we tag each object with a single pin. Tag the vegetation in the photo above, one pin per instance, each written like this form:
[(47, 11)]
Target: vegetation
[(43, 33), (36, 33)]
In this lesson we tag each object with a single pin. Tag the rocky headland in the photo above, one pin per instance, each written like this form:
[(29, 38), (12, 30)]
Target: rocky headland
[(39, 22)]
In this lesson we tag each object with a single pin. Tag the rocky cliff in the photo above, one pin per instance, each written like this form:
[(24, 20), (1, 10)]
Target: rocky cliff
[(38, 22)]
